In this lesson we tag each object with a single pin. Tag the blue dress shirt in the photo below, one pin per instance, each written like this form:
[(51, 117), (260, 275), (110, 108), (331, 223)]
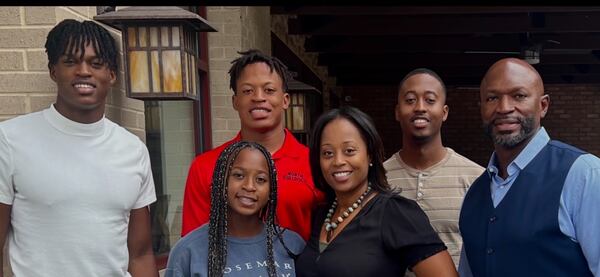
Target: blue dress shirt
[(579, 208)]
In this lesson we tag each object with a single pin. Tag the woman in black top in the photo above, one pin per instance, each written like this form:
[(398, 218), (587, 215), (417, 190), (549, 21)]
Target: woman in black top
[(364, 229)]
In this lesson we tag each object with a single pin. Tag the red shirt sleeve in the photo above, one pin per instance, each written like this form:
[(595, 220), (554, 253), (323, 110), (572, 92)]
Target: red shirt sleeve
[(196, 199)]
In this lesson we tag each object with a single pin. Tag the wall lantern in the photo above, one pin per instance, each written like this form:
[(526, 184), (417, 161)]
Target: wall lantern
[(160, 45), (532, 54), (297, 116)]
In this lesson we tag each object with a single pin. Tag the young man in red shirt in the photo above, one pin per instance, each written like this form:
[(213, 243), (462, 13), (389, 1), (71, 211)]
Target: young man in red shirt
[(259, 83)]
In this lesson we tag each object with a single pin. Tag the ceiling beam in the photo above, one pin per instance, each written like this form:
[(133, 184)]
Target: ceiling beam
[(456, 44), (394, 44), (422, 10), (444, 24), (461, 71), (382, 79), (419, 59), (389, 81), (379, 45)]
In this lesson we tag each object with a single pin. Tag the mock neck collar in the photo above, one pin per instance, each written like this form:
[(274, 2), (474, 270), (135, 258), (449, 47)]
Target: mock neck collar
[(70, 127)]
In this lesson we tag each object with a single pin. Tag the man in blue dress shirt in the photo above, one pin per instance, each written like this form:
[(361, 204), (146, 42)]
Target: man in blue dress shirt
[(536, 209)]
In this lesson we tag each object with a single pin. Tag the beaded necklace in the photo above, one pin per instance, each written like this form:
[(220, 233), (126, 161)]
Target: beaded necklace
[(329, 225)]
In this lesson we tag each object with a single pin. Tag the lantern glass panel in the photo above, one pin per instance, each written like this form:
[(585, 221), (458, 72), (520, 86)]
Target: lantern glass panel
[(143, 38), (155, 71), (153, 36), (298, 116), (138, 71), (171, 62), (288, 118), (131, 37), (164, 36), (175, 35)]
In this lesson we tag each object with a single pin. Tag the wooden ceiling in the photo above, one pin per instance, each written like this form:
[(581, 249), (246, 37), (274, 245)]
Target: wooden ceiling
[(379, 45)]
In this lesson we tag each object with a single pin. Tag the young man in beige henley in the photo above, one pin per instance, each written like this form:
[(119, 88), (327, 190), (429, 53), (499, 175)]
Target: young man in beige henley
[(436, 177)]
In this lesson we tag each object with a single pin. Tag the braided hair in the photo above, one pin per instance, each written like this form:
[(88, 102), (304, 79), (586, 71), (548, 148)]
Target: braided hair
[(70, 36), (217, 228), (256, 56)]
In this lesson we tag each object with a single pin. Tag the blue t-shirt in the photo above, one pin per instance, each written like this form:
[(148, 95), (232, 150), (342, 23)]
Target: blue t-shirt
[(246, 257)]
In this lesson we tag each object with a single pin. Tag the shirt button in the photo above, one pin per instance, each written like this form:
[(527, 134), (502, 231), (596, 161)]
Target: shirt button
[(492, 219), (489, 251), (420, 194), (420, 184)]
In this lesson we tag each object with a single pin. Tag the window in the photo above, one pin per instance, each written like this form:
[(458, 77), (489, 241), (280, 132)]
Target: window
[(170, 141), (176, 131)]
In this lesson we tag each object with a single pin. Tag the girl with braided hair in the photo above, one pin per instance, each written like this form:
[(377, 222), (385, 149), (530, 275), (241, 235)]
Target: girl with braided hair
[(241, 237)]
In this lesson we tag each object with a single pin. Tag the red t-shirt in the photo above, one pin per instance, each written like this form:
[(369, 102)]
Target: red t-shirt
[(297, 195)]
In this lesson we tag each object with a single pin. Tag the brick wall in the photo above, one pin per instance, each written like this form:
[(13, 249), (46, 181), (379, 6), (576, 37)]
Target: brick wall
[(25, 85), (239, 28), (573, 117)]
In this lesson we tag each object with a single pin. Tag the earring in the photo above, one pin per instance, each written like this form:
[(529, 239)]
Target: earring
[(370, 164)]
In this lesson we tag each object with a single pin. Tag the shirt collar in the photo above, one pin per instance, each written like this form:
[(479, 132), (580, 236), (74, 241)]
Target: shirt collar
[(68, 126), (291, 147), (428, 171), (531, 150)]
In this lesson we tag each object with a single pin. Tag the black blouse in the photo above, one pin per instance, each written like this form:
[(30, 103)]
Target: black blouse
[(389, 234)]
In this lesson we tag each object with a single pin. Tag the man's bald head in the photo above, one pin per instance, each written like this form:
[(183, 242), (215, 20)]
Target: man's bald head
[(512, 102), (515, 70)]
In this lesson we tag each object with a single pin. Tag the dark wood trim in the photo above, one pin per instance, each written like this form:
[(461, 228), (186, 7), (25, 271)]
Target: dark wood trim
[(423, 10), (457, 44), (202, 65), (375, 45), (456, 71), (387, 80), (425, 59), (202, 116), (366, 25)]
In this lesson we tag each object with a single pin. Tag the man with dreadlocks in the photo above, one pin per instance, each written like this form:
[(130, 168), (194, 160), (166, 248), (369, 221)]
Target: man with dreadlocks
[(259, 83), (241, 238), (74, 186)]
